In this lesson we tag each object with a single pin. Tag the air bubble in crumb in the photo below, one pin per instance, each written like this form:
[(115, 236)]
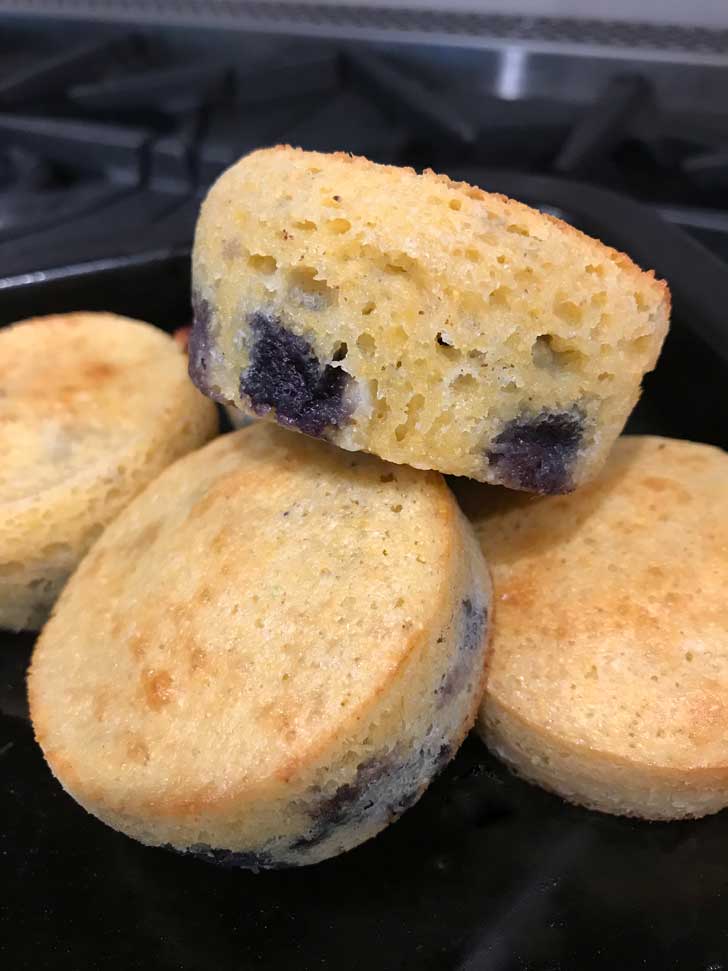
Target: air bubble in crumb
[(414, 407), (501, 296), (309, 291), (554, 355), (568, 311), (263, 264), (640, 345), (339, 226), (366, 344)]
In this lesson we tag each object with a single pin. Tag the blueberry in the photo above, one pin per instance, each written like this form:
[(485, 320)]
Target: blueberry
[(537, 452), (233, 859), (285, 374), (351, 798), (199, 346), (473, 626), (473, 620), (367, 794)]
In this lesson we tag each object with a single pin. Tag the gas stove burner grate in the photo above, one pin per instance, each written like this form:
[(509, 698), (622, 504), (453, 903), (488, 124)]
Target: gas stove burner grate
[(108, 145)]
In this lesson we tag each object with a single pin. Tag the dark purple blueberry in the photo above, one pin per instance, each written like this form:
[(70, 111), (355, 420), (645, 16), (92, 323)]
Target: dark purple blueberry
[(352, 797), (473, 621), (537, 452), (348, 803), (473, 626), (232, 859), (284, 374), (365, 795), (354, 802), (198, 349)]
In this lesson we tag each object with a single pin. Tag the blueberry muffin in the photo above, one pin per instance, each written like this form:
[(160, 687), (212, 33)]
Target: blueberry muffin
[(608, 677), (92, 407), (269, 654), (417, 318)]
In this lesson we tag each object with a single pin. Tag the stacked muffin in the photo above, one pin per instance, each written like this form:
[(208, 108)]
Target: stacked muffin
[(273, 649)]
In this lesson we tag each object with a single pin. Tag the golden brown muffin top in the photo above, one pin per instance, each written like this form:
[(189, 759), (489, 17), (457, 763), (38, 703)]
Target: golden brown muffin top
[(248, 607), (611, 616)]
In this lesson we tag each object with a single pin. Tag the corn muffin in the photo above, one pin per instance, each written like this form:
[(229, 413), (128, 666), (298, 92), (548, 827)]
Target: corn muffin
[(269, 654), (420, 319), (92, 407), (608, 680)]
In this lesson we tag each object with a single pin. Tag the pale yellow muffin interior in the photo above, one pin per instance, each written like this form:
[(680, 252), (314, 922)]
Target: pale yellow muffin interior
[(454, 311), (271, 618), (92, 406), (608, 678)]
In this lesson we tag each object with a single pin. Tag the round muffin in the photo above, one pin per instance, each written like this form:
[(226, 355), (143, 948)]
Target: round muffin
[(92, 408), (267, 657), (417, 318), (608, 676)]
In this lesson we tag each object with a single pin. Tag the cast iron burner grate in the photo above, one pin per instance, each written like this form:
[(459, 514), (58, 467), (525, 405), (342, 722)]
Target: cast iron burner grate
[(107, 146)]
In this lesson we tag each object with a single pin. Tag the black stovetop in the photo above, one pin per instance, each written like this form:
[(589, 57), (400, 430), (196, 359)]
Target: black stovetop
[(106, 147), (109, 139)]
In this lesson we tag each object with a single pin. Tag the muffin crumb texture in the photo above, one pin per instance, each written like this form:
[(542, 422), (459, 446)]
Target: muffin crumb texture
[(424, 320)]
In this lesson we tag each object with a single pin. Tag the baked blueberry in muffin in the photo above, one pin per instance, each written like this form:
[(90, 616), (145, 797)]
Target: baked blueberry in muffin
[(421, 319)]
